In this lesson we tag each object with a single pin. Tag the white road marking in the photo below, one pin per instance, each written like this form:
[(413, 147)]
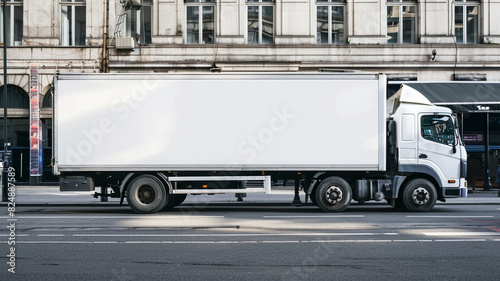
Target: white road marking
[(415, 240), (461, 233), (280, 242), (234, 234), (256, 242), (142, 217), (319, 216), (61, 242), (450, 216), (142, 242), (207, 235), (460, 240)]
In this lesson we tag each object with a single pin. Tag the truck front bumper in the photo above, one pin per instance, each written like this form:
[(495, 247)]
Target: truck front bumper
[(461, 191)]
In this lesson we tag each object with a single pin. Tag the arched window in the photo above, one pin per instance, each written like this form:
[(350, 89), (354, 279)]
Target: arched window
[(17, 97), (47, 100)]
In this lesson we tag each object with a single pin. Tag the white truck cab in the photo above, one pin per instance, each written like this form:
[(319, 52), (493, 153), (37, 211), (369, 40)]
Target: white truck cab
[(428, 143)]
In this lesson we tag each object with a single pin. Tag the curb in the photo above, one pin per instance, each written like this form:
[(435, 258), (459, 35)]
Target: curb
[(228, 204), (52, 197)]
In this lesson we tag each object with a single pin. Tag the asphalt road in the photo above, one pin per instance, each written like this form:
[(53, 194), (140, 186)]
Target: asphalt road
[(197, 242)]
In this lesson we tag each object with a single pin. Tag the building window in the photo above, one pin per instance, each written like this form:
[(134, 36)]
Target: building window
[(138, 23), (260, 25), (401, 21), (17, 97), (467, 21), (14, 20), (330, 21), (73, 22), (200, 26)]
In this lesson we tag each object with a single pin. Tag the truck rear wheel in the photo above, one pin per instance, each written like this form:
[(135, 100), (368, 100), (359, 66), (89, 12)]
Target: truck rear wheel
[(334, 194), (419, 195), (174, 201), (146, 194)]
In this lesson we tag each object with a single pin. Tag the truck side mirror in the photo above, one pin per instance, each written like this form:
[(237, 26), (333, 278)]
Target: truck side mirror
[(457, 136)]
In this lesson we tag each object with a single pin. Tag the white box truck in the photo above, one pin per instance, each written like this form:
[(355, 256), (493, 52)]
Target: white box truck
[(153, 139)]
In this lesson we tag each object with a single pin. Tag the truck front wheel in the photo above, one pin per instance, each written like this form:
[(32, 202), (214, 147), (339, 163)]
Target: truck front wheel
[(419, 195), (146, 194), (334, 194)]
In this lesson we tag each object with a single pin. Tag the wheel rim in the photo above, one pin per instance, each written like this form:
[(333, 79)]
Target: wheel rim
[(333, 194), (146, 194), (420, 196)]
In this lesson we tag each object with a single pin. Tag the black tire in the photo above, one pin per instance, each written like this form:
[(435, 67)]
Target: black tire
[(174, 201), (146, 194), (334, 194), (399, 204), (419, 195)]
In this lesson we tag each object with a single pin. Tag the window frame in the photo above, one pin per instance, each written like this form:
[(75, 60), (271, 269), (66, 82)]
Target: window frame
[(139, 23), (200, 4), (464, 4), (401, 4), (330, 4), (73, 37), (260, 4), (11, 32)]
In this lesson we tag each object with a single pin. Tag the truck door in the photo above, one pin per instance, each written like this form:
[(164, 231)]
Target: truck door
[(436, 147)]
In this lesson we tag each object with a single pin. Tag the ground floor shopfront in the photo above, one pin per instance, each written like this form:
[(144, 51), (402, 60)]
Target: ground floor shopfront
[(477, 105), (18, 136), (481, 132), (18, 132)]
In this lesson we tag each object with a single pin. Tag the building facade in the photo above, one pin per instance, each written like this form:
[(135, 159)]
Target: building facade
[(427, 40)]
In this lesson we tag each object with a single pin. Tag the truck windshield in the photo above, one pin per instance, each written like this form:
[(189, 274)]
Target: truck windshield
[(438, 128)]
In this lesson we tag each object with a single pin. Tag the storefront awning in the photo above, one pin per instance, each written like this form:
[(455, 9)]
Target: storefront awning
[(461, 97)]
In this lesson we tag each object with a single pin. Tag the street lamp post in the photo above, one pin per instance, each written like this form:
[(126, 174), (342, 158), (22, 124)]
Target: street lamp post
[(487, 183), (5, 160)]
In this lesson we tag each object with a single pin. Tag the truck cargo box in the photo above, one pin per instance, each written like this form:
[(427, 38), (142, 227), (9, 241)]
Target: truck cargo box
[(233, 122)]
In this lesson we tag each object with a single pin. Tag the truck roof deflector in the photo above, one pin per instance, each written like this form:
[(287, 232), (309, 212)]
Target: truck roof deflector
[(405, 94)]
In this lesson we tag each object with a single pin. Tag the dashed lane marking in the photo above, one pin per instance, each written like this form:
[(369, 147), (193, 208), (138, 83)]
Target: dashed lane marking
[(446, 217), (461, 233), (236, 234), (258, 242), (114, 217), (318, 216)]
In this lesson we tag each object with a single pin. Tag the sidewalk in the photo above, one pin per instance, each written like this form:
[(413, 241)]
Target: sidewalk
[(50, 195)]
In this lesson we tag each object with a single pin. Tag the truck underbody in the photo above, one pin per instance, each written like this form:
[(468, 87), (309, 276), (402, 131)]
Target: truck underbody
[(149, 192)]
